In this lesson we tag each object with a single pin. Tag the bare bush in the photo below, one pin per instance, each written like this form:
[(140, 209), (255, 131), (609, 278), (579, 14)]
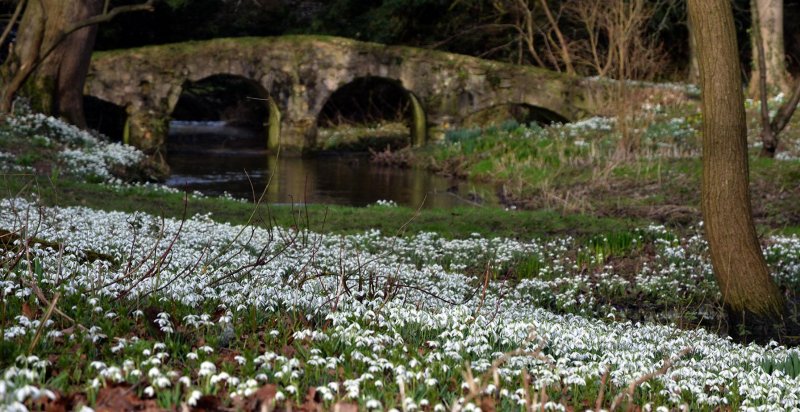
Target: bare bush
[(616, 44)]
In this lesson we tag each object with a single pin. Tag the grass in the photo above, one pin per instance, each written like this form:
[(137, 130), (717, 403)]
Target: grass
[(346, 137), (451, 223), (577, 168)]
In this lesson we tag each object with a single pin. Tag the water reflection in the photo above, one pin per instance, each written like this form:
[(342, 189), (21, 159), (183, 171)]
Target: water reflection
[(214, 157), (344, 179)]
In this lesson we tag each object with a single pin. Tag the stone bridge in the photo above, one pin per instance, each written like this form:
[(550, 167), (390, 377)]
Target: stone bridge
[(300, 73)]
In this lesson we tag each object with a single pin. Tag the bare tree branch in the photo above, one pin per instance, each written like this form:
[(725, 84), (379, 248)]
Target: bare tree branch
[(14, 18), (562, 43)]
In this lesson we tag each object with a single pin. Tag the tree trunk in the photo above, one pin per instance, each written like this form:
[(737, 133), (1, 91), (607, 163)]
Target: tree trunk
[(54, 82), (768, 20), (752, 301)]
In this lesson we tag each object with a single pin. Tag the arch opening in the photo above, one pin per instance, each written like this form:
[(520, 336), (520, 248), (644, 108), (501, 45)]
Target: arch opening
[(107, 118), (222, 113), (521, 113), (370, 112)]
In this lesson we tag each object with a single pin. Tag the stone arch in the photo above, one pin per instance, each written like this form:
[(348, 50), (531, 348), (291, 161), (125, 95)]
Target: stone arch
[(522, 113), (106, 117), (239, 105), (366, 99)]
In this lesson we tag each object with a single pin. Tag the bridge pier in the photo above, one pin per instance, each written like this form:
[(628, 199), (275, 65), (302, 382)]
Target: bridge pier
[(298, 134), (419, 123), (147, 130)]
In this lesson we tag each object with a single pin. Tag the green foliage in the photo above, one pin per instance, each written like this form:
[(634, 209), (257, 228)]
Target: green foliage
[(528, 267), (600, 248), (789, 366), (27, 159)]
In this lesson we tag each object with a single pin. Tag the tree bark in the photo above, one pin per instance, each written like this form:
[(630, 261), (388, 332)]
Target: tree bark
[(56, 85), (49, 67), (53, 51), (768, 20), (752, 301)]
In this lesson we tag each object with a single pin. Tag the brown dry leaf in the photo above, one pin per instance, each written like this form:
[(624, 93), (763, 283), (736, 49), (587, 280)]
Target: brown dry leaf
[(229, 356), (207, 403), (116, 398), (149, 405), (27, 311), (263, 399), (487, 404), (288, 351), (342, 406), (62, 403), (59, 404), (311, 403)]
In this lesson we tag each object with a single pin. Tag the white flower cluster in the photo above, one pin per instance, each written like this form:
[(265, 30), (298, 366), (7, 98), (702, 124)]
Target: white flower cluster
[(83, 153), (417, 335), (23, 382), (97, 161), (34, 124), (598, 123), (384, 203), (8, 163)]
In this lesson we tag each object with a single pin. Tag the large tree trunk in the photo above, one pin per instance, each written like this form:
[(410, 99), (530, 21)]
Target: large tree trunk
[(49, 68), (768, 20), (751, 298)]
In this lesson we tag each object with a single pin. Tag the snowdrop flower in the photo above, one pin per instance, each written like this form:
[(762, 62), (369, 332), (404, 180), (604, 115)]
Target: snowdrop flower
[(194, 397), (207, 369)]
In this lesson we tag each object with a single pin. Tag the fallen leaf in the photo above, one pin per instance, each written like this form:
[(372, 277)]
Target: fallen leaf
[(288, 351), (312, 402), (207, 403), (263, 399), (59, 404), (116, 398), (342, 406), (488, 404), (27, 311)]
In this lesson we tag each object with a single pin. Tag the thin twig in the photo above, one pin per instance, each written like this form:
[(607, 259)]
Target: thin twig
[(668, 362), (42, 322), (10, 24), (602, 391), (44, 301)]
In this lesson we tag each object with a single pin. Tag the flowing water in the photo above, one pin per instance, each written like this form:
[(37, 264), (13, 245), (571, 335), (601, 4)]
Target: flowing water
[(221, 162)]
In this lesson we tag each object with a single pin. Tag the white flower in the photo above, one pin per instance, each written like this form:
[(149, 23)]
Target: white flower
[(207, 368), (194, 397)]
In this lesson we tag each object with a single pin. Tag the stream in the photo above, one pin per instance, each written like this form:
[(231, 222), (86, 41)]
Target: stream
[(222, 159)]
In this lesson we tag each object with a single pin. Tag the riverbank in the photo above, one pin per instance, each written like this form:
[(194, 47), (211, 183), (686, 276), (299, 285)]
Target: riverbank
[(122, 296), (580, 167)]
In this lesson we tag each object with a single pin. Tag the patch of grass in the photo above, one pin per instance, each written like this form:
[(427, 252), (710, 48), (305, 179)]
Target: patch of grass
[(451, 223), (574, 169), (393, 135)]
